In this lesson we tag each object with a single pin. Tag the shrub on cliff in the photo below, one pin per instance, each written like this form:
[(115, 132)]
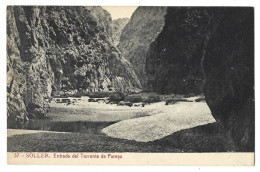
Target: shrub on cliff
[(153, 99), (99, 94), (117, 97), (175, 100), (134, 98)]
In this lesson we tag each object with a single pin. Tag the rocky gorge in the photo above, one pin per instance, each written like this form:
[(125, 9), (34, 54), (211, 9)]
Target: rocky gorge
[(61, 48), (167, 50)]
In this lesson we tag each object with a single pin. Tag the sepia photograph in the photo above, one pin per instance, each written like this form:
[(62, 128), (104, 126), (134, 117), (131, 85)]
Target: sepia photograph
[(86, 80)]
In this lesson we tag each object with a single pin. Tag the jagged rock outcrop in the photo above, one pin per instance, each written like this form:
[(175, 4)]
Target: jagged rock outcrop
[(29, 75), (117, 28), (15, 71), (60, 48), (144, 26), (215, 46)]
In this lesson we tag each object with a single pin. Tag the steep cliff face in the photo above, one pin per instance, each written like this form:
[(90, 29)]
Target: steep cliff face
[(144, 26), (117, 28), (16, 80), (173, 61), (60, 48), (229, 69), (214, 46), (29, 75)]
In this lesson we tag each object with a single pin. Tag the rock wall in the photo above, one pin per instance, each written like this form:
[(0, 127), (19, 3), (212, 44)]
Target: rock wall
[(60, 48), (16, 80), (209, 50), (229, 69), (29, 75), (144, 26), (117, 28), (173, 61)]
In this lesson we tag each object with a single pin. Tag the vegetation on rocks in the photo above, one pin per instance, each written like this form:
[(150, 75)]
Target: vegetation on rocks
[(52, 49)]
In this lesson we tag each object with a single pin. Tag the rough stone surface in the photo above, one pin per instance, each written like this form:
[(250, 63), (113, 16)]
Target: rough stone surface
[(229, 69), (60, 48), (117, 28), (144, 26)]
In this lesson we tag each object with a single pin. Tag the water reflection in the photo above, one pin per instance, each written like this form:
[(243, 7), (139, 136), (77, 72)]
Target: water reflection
[(47, 125)]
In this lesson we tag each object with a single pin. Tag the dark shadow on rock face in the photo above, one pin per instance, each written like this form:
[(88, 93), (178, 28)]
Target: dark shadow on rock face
[(173, 61), (229, 69), (211, 48)]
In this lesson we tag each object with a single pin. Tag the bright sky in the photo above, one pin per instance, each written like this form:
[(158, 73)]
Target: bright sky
[(120, 12)]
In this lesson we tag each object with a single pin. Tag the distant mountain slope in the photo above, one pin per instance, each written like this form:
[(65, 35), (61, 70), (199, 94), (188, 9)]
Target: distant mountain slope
[(117, 28), (144, 26)]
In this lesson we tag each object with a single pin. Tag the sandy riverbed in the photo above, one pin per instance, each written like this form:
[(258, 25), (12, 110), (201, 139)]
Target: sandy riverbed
[(181, 127), (142, 124), (165, 120)]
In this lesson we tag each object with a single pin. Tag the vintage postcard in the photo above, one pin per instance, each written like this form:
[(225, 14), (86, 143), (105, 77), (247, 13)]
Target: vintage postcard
[(130, 85)]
